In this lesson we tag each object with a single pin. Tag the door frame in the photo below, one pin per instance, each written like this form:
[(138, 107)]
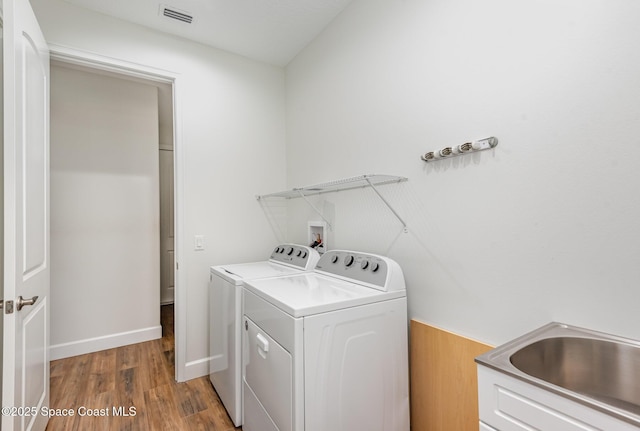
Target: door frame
[(109, 64)]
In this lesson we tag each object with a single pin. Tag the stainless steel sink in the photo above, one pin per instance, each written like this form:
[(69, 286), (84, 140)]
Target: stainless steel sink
[(593, 368)]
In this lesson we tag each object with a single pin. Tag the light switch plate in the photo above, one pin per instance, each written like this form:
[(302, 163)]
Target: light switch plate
[(198, 242)]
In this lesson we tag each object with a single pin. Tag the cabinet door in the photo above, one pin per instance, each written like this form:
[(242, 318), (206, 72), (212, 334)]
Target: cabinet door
[(508, 404)]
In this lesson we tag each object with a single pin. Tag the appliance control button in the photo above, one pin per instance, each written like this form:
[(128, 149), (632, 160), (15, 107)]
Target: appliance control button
[(277, 250), (290, 251), (299, 253), (334, 259), (348, 261), (364, 264), (375, 267), (304, 254)]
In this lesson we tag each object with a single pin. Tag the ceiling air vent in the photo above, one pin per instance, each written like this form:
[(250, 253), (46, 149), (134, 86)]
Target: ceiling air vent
[(173, 13)]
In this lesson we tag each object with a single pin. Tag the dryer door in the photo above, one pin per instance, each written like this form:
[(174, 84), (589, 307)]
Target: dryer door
[(268, 373)]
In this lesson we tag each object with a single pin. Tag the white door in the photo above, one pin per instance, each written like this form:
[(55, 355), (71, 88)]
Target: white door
[(25, 386)]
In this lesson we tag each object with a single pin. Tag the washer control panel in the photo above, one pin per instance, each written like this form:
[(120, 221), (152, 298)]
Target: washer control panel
[(357, 266), (300, 256)]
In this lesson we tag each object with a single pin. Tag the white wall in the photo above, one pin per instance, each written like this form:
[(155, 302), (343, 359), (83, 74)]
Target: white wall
[(542, 228), (233, 143), (105, 220)]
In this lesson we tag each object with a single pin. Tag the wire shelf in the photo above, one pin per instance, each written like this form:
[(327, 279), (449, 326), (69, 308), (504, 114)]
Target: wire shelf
[(362, 181), (336, 186)]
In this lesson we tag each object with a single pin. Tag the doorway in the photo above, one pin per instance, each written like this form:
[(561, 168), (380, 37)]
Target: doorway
[(165, 164)]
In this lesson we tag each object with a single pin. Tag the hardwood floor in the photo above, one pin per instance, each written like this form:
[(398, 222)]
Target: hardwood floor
[(137, 380)]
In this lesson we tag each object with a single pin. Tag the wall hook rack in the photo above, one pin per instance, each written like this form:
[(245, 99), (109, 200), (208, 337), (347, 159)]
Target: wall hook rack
[(466, 148)]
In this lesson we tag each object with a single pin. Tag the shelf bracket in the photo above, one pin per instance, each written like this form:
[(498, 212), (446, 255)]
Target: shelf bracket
[(404, 224), (302, 195)]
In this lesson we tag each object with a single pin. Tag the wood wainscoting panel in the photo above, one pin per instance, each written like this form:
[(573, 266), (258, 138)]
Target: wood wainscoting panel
[(444, 382)]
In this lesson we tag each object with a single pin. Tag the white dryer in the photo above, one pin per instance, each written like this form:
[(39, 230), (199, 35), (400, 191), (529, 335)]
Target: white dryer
[(327, 350), (225, 316)]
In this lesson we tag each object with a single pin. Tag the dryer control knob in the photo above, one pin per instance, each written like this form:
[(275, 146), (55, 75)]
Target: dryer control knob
[(334, 259), (304, 254), (299, 253), (364, 264), (290, 251), (375, 267), (348, 261)]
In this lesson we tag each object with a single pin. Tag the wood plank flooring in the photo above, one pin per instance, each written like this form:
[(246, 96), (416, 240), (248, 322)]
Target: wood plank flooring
[(140, 377)]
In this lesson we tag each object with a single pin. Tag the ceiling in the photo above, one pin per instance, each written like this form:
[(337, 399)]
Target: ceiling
[(273, 31)]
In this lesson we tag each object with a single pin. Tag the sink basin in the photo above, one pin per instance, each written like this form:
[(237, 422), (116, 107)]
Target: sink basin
[(593, 368), (604, 370)]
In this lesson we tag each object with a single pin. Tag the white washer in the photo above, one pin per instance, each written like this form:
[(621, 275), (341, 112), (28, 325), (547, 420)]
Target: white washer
[(327, 350), (225, 316)]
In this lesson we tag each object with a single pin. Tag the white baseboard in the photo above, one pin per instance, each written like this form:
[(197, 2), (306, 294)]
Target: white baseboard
[(198, 368), (90, 345)]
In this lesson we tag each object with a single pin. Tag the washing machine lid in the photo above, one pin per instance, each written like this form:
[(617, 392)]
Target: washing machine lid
[(306, 294), (238, 272), (285, 259)]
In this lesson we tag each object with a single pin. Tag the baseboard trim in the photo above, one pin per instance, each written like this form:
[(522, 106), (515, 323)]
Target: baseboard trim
[(90, 345)]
